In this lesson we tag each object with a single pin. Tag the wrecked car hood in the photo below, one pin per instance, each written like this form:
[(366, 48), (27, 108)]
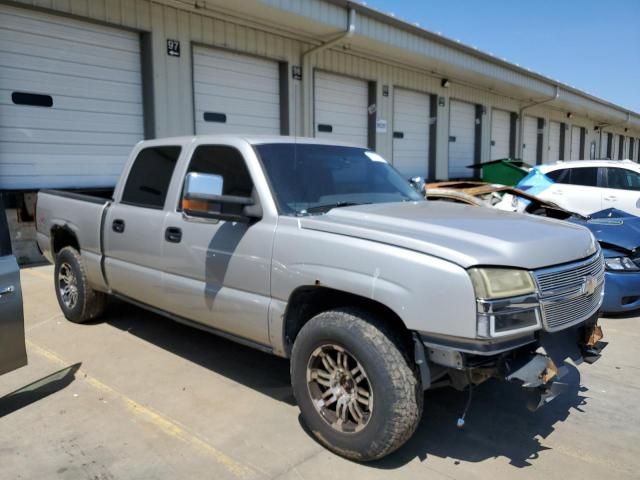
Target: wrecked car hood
[(461, 234), (613, 227)]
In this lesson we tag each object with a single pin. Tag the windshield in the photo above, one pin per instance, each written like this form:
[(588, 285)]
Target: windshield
[(310, 178)]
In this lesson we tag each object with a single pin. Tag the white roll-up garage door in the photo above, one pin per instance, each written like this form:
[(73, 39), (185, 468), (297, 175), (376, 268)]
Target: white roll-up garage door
[(500, 132), (462, 126), (554, 142), (411, 132), (614, 147), (235, 93), (340, 108), (529, 140), (70, 101), (575, 144), (604, 141)]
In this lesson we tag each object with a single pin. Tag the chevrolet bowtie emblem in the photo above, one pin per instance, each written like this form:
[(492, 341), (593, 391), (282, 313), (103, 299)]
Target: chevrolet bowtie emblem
[(589, 285)]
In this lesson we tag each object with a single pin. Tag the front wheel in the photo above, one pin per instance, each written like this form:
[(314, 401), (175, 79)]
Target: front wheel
[(357, 390), (78, 301)]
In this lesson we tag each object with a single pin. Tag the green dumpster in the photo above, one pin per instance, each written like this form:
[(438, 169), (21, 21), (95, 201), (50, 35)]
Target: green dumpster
[(506, 171)]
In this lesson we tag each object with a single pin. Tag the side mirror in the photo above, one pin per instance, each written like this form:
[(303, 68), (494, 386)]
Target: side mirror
[(202, 197), (417, 183)]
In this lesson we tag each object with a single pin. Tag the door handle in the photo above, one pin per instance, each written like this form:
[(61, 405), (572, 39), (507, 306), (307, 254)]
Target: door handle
[(118, 226), (611, 198), (173, 235), (557, 191), (7, 291)]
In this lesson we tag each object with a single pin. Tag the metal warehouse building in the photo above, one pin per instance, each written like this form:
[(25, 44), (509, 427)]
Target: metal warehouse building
[(81, 81)]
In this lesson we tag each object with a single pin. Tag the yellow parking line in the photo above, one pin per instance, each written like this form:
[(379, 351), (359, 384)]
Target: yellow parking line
[(163, 423)]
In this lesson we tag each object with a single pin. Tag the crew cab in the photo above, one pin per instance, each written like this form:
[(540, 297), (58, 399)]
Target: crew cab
[(323, 253)]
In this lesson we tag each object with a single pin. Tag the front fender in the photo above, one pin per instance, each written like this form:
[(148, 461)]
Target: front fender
[(429, 294)]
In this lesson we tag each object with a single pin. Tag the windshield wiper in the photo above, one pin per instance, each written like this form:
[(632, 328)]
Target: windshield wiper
[(329, 206)]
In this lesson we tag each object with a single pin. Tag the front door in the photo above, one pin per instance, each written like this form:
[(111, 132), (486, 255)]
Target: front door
[(217, 272), (12, 345)]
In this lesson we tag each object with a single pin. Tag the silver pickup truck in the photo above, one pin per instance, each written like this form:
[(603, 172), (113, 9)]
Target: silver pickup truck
[(325, 254)]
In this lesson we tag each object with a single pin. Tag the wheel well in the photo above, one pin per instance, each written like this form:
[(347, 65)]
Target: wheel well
[(307, 302), (62, 237)]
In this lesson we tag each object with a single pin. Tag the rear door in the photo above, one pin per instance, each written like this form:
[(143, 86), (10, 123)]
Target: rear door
[(133, 227), (12, 347), (623, 190), (576, 189)]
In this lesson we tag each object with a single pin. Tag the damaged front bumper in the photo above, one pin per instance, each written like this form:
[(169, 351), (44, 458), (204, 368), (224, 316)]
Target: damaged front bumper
[(538, 366)]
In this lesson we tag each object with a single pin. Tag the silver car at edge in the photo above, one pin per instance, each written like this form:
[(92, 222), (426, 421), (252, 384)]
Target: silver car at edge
[(13, 354), (323, 253)]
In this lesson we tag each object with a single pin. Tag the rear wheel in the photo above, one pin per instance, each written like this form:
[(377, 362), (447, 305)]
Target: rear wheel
[(357, 390), (78, 301)]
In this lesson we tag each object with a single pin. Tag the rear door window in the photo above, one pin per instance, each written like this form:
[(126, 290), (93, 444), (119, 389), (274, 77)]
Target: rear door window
[(584, 176), (5, 238), (561, 175), (623, 179), (150, 175)]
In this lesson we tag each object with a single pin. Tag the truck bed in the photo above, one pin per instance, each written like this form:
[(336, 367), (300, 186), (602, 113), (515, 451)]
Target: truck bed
[(79, 213)]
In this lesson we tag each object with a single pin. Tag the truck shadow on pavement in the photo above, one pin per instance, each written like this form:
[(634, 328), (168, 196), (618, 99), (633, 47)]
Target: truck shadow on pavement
[(265, 373), (498, 422)]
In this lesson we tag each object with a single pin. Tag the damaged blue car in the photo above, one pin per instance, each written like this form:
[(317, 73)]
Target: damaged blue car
[(619, 235)]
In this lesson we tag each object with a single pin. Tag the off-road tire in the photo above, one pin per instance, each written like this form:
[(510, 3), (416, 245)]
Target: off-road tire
[(90, 304), (394, 380)]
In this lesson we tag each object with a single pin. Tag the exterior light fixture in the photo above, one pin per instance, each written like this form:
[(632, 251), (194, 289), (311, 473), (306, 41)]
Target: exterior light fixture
[(445, 83), (569, 115)]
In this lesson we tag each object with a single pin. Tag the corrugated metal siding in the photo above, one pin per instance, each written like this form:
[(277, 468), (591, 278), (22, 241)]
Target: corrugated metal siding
[(172, 77)]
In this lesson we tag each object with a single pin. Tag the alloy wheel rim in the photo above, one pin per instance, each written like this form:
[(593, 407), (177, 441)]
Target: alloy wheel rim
[(340, 389), (67, 286)]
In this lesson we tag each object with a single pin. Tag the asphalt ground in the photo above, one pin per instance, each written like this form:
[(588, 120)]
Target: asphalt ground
[(137, 396)]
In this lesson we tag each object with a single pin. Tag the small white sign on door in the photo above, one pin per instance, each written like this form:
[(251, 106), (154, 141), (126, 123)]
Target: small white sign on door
[(381, 126)]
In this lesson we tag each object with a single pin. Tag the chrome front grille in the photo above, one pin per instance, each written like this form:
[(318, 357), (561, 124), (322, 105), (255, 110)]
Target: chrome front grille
[(570, 293)]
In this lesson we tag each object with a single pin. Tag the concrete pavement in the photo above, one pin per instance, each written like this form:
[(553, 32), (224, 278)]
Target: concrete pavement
[(139, 396)]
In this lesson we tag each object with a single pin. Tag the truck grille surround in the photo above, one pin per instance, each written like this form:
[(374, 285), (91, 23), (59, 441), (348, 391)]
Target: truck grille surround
[(570, 293)]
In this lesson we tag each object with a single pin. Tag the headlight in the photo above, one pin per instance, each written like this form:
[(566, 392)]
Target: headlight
[(620, 264), (492, 283)]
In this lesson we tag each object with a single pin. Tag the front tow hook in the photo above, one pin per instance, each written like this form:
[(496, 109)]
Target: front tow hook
[(592, 346)]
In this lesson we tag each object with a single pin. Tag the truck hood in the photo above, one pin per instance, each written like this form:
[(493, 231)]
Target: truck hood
[(461, 234)]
